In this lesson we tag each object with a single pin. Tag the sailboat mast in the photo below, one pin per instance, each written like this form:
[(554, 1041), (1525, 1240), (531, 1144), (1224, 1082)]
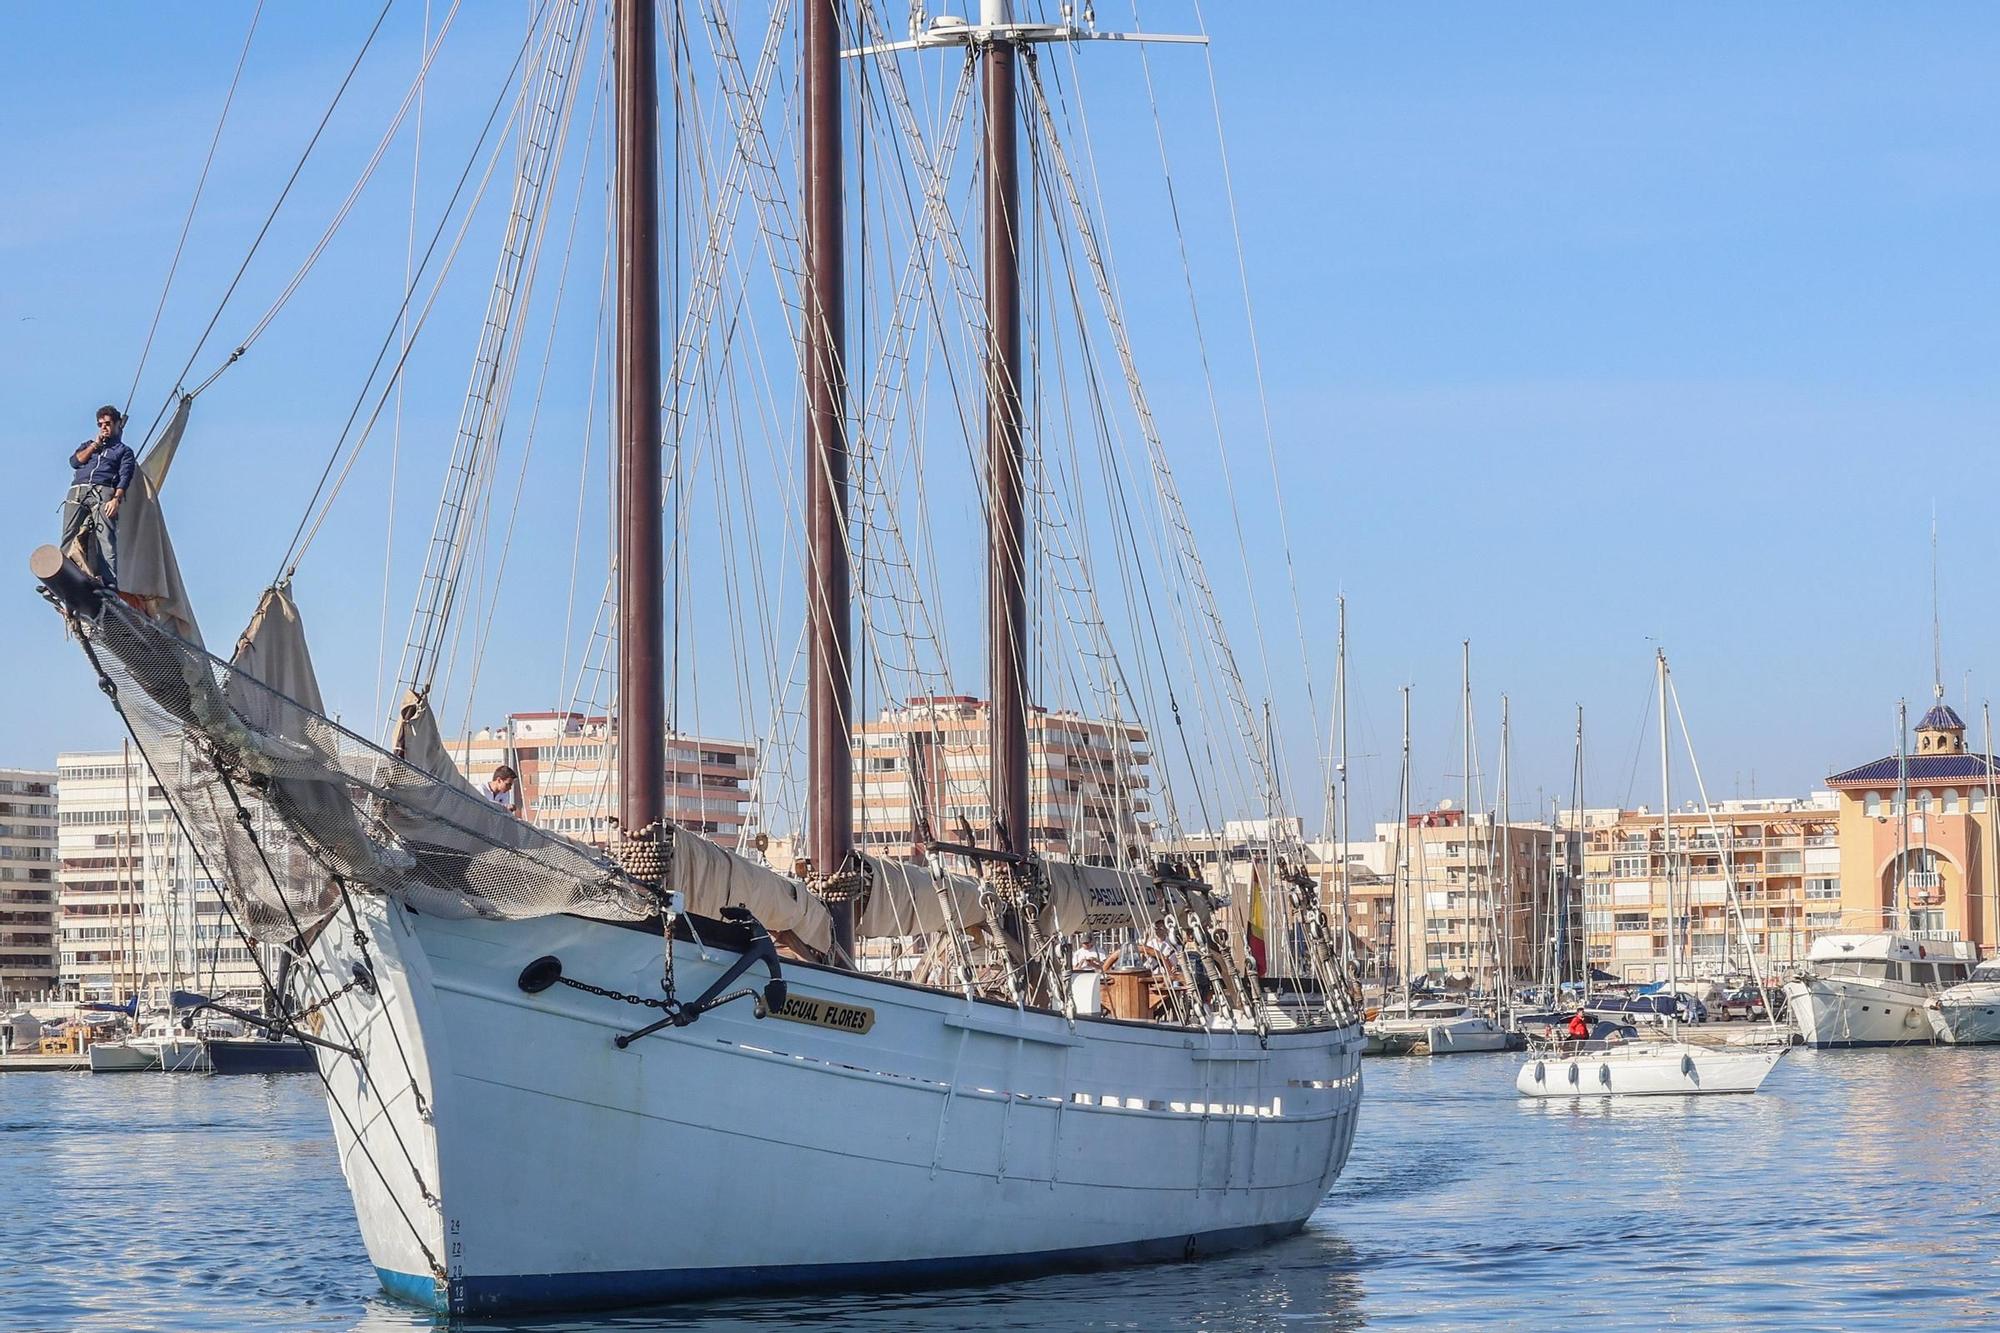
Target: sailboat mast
[(1992, 820), (1502, 897), (642, 698), (1006, 542), (1465, 801), (830, 693), (1347, 829), (1667, 837), (1402, 905), (1902, 815)]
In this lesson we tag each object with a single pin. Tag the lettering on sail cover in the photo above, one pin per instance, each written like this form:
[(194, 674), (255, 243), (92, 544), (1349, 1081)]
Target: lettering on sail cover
[(822, 1013)]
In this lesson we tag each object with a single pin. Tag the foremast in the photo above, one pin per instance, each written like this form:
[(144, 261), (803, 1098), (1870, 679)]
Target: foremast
[(642, 700)]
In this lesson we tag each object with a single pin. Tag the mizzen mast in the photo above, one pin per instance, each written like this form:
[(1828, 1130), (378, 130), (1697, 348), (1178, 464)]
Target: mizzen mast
[(829, 688), (642, 695)]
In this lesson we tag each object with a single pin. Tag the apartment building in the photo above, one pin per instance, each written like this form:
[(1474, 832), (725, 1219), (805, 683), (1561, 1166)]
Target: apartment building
[(27, 884), (1444, 897), (569, 780), (1782, 855), (920, 772), (138, 916)]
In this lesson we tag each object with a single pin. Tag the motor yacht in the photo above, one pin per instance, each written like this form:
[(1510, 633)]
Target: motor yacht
[(1968, 1014), (1873, 990)]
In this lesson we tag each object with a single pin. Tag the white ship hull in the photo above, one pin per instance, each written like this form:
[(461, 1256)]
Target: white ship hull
[(1967, 1015), (120, 1057), (1849, 1011), (1648, 1069), (176, 1055), (953, 1140)]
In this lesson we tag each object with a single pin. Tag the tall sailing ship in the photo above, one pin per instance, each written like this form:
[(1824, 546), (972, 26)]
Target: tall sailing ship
[(563, 1075)]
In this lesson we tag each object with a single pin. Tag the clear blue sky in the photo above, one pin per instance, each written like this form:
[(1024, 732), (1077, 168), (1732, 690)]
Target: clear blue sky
[(1584, 327)]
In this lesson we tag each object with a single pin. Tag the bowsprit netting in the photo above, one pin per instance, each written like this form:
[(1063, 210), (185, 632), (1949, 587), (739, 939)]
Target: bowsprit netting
[(293, 808)]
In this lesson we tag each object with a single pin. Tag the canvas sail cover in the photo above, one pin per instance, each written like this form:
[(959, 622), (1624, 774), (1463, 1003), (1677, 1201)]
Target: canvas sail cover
[(1085, 898), (909, 899), (710, 878)]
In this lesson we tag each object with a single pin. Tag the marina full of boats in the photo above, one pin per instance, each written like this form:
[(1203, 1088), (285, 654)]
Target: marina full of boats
[(116, 1040)]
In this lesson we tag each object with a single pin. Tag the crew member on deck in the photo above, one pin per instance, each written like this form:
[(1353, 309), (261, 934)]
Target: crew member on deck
[(1579, 1027), (504, 791), (102, 469)]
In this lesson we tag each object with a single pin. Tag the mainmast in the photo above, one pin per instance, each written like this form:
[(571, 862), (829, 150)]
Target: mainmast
[(1006, 532), (830, 689), (642, 697)]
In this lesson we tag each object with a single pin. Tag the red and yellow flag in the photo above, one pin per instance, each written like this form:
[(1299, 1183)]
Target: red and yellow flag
[(1254, 935)]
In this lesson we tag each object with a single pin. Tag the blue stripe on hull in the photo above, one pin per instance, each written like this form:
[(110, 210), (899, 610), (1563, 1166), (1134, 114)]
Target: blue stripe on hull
[(582, 1291)]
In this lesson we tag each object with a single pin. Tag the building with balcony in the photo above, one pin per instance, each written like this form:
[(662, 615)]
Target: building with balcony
[(138, 916), (1916, 836), (27, 884), (1782, 855), (1444, 897), (569, 780), (920, 775)]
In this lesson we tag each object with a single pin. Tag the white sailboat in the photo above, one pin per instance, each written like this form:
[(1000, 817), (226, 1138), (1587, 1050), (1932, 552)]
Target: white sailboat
[(1651, 1066), (560, 1078)]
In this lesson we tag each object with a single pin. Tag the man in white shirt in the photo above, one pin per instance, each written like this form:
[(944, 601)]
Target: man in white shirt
[(503, 789)]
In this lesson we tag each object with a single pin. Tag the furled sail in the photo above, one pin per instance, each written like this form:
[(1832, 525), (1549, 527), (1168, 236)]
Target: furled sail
[(1089, 898), (909, 899), (710, 878), (149, 575)]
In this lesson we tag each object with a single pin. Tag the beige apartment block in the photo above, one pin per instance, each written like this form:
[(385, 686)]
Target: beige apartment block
[(569, 780), (27, 884), (1444, 897), (138, 915), (1782, 854), (921, 769)]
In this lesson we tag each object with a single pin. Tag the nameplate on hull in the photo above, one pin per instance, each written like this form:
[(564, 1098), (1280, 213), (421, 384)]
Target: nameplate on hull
[(821, 1013)]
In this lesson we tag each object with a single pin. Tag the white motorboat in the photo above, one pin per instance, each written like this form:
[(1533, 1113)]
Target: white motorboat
[(1645, 1068), (158, 1047), (1968, 1014), (121, 1057), (1437, 1027), (1874, 990)]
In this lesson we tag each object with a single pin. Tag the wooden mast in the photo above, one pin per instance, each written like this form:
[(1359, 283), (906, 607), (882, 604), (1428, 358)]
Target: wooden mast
[(829, 691), (641, 660), (1006, 542)]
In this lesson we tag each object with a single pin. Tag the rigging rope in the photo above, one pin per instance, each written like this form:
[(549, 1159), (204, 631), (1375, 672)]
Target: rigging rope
[(269, 218), (188, 222)]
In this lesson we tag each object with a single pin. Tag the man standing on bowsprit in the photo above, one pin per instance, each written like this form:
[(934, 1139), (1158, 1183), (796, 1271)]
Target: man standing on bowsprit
[(103, 469)]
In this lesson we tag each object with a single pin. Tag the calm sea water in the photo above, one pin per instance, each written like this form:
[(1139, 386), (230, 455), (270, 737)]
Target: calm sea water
[(1851, 1193)]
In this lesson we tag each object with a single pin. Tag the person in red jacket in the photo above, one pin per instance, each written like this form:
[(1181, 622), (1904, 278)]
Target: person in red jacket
[(1579, 1027)]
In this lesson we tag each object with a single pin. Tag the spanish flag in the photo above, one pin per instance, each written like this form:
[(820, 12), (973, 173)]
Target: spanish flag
[(1254, 936)]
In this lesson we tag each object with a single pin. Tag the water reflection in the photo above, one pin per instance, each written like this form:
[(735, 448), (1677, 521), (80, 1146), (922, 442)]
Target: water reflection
[(1849, 1192)]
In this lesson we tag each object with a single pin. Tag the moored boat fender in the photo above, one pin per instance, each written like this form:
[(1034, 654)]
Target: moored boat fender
[(1687, 1065), (1541, 1072), (1575, 1073), (1604, 1075)]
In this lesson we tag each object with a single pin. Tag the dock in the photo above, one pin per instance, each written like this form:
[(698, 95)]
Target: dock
[(21, 1064)]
